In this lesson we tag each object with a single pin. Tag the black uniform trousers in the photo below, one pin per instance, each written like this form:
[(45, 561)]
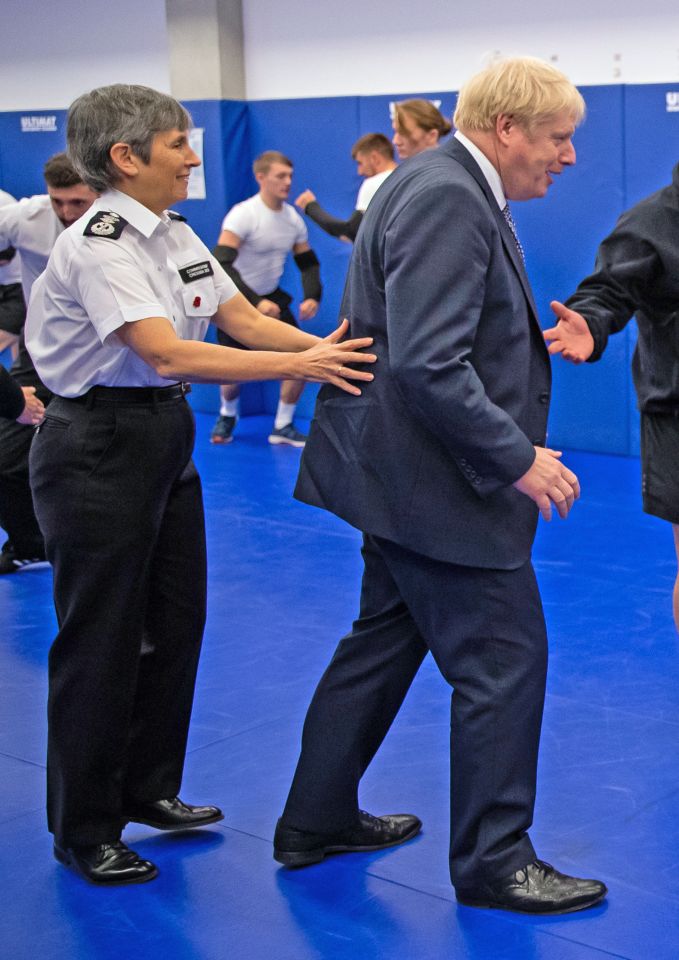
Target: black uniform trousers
[(120, 505), (12, 308), (486, 632)]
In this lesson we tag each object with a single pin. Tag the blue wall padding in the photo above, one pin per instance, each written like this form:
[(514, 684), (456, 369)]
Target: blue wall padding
[(225, 143), (560, 235), (651, 139), (626, 149), (23, 155)]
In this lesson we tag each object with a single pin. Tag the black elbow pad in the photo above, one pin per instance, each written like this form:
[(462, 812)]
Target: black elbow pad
[(311, 274), (225, 255)]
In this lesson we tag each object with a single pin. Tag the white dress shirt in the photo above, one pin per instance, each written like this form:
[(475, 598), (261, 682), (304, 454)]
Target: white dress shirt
[(117, 264)]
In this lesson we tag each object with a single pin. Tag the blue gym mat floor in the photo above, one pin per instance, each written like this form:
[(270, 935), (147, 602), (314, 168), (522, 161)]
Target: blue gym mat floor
[(283, 587)]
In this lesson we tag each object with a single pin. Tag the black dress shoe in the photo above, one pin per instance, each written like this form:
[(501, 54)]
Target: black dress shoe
[(536, 888), (298, 848), (107, 863), (172, 814)]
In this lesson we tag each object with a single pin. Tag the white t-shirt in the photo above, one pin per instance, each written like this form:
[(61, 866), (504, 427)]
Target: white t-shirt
[(118, 263), (32, 226), (266, 238), (11, 273), (369, 188)]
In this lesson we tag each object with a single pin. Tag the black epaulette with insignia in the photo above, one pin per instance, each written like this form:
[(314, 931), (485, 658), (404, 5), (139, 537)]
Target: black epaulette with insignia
[(176, 216), (105, 224)]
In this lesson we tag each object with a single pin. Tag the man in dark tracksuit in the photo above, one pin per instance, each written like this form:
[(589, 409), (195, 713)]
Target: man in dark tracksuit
[(637, 273)]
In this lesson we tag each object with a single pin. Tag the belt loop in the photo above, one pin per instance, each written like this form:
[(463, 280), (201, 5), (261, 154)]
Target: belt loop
[(89, 401)]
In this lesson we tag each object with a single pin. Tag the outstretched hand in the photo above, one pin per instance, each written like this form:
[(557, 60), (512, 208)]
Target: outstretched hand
[(327, 361), (570, 337)]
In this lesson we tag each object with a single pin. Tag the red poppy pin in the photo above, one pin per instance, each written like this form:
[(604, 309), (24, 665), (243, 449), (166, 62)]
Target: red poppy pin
[(196, 301)]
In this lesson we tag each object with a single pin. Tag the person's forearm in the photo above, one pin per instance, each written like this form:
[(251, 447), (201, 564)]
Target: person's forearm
[(208, 363), (333, 225), (246, 325)]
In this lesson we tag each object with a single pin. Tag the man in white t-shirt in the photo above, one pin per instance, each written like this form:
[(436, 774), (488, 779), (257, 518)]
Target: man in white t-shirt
[(257, 236), (374, 156)]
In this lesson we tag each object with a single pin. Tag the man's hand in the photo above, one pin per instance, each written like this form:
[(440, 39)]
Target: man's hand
[(549, 482), (269, 308), (308, 309), (570, 337), (305, 198), (34, 411)]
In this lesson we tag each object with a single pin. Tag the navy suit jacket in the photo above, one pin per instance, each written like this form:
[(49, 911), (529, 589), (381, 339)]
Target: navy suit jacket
[(427, 455)]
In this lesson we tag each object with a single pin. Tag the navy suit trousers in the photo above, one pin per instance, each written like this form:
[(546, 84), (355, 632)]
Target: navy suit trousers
[(486, 632)]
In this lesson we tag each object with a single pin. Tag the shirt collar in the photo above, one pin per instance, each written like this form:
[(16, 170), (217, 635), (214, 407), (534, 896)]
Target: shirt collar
[(136, 214), (487, 169)]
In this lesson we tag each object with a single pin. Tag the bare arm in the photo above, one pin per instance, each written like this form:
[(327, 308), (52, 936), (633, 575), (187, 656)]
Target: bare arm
[(156, 342), (251, 327)]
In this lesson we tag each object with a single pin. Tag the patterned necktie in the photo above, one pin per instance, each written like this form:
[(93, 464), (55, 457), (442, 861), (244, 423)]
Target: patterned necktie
[(506, 213)]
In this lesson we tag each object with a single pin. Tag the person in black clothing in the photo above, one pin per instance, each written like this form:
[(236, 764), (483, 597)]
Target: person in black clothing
[(637, 273), (19, 403), (32, 226), (374, 156)]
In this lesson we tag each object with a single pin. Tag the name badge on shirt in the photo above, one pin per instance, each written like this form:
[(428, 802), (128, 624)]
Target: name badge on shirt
[(196, 271)]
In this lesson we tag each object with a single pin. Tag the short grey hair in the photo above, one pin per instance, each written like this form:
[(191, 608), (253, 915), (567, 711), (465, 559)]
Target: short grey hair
[(120, 113)]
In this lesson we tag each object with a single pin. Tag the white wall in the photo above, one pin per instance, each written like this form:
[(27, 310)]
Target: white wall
[(52, 52), (306, 48)]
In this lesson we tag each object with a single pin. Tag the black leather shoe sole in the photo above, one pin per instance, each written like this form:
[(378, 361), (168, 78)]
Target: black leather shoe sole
[(68, 860), (187, 825), (534, 909), (304, 858)]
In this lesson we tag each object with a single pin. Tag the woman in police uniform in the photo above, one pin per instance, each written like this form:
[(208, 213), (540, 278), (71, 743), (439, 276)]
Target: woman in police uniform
[(115, 328)]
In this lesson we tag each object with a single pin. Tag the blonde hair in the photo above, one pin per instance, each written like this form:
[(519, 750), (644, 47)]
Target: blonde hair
[(528, 89), (423, 113)]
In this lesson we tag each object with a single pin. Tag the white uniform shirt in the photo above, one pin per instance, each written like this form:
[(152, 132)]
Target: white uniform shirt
[(118, 263), (369, 188), (267, 236), (32, 226), (12, 272)]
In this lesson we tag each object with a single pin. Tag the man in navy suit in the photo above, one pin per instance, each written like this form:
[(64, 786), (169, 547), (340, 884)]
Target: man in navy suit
[(442, 464)]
